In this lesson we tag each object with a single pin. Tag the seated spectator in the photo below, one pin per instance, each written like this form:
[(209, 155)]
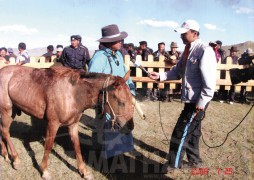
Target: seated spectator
[(11, 53), (23, 56), (160, 52), (4, 56), (49, 53)]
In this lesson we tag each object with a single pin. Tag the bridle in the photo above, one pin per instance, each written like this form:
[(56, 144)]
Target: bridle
[(106, 101)]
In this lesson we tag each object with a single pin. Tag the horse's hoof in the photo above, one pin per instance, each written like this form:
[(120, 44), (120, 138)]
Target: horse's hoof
[(6, 158), (16, 164), (88, 176), (46, 175)]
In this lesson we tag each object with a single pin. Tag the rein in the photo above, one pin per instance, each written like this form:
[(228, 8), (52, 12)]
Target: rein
[(106, 101)]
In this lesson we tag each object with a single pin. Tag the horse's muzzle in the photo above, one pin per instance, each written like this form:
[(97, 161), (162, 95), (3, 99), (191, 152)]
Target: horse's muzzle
[(127, 128)]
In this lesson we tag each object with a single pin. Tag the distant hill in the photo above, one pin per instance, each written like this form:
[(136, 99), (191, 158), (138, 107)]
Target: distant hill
[(241, 47)]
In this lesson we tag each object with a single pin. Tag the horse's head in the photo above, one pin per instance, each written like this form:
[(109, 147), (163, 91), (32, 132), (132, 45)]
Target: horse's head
[(118, 103)]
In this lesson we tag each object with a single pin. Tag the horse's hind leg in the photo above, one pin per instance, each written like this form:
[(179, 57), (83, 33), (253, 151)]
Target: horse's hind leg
[(4, 151), (5, 127), (73, 131)]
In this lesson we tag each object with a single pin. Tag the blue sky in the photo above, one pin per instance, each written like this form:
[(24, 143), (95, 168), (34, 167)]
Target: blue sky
[(39, 23)]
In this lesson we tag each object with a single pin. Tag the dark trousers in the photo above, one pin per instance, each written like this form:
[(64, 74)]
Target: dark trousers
[(185, 137)]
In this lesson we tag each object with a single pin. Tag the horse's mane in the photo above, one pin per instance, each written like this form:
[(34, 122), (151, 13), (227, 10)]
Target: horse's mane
[(63, 71)]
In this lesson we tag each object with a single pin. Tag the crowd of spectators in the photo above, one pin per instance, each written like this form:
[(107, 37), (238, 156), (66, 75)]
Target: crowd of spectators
[(78, 51)]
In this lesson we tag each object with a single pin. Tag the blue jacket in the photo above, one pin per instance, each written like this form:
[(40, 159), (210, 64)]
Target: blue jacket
[(104, 61)]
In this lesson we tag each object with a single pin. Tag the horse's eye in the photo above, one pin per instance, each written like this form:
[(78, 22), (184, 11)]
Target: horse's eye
[(121, 103)]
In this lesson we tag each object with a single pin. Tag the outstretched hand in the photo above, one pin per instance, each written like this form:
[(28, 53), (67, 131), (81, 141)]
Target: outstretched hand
[(154, 75)]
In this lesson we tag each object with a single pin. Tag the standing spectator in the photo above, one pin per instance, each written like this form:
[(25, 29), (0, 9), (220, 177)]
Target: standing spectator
[(76, 55), (49, 53), (174, 55), (11, 53), (242, 98), (160, 52), (4, 56), (231, 59), (124, 49), (173, 59), (131, 47), (109, 60), (220, 51), (139, 51), (215, 47), (87, 54), (59, 51), (23, 56), (145, 50), (197, 68)]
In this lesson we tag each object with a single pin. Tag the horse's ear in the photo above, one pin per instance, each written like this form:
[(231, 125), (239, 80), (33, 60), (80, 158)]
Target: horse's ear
[(127, 76)]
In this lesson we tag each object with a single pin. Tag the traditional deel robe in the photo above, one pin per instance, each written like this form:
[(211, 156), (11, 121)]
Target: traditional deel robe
[(104, 61)]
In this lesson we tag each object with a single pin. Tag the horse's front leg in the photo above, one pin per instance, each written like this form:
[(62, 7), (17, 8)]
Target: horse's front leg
[(50, 137), (73, 131)]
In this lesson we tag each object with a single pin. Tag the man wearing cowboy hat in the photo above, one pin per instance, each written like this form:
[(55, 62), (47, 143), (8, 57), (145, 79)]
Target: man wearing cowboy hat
[(109, 60), (174, 55), (173, 59), (231, 59)]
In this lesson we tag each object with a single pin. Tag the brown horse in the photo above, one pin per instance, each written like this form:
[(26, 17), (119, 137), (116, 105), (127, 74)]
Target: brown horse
[(60, 95)]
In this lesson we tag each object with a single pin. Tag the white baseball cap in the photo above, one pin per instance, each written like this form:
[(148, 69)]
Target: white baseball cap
[(249, 51), (187, 25), (59, 49)]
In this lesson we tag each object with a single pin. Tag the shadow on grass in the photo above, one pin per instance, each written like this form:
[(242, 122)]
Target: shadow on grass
[(136, 166)]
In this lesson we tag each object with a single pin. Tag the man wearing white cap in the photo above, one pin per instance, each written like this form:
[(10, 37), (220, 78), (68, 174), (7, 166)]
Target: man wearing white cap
[(59, 51), (197, 68)]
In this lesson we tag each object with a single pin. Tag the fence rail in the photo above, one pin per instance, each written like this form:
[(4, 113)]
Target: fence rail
[(161, 66), (36, 62), (151, 65)]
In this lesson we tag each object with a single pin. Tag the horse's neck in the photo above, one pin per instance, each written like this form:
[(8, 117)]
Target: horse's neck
[(94, 87)]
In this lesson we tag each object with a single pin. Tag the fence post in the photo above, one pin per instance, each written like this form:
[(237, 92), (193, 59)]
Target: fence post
[(150, 59), (138, 72)]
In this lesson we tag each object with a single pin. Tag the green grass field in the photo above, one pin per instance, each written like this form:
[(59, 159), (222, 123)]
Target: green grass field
[(234, 160)]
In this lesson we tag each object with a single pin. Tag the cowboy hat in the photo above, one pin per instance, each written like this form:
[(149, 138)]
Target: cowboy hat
[(111, 33), (233, 48), (173, 45)]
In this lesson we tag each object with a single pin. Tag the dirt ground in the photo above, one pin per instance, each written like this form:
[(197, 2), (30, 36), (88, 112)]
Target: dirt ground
[(234, 160)]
